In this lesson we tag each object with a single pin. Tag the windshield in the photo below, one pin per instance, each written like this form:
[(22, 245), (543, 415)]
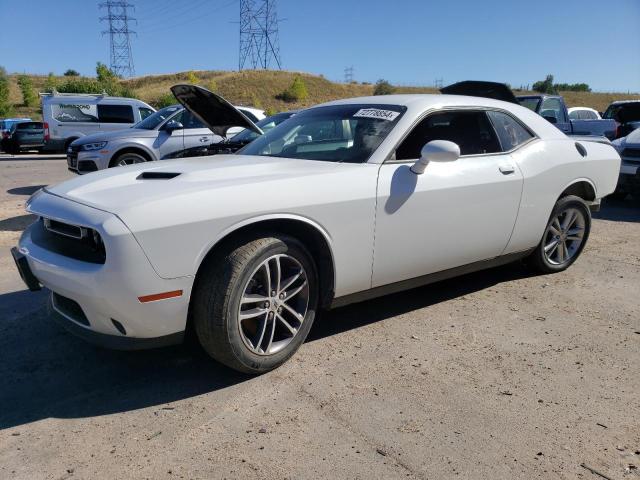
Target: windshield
[(530, 102), (152, 121), (338, 133), (266, 124), (625, 112)]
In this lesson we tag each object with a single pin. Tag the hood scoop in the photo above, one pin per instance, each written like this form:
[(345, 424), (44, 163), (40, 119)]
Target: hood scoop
[(154, 175)]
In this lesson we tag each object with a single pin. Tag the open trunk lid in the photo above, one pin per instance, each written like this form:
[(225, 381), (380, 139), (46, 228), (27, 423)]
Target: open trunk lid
[(477, 88), (213, 110)]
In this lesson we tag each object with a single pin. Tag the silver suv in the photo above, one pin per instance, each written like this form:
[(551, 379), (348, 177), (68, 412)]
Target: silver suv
[(161, 135)]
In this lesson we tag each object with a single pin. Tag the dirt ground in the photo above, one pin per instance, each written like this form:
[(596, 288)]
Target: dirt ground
[(495, 375)]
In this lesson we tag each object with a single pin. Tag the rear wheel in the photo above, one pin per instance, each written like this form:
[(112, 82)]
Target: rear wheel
[(128, 158), (565, 236), (254, 306)]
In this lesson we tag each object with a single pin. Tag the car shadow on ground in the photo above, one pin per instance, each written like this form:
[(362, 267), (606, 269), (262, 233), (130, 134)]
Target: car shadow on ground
[(627, 210), (30, 190), (46, 372), (16, 224)]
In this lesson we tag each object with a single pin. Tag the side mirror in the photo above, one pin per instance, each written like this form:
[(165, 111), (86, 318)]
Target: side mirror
[(172, 125), (436, 151), (550, 119)]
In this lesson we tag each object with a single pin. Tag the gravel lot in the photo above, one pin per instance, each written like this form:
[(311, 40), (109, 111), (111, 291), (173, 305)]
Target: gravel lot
[(494, 375)]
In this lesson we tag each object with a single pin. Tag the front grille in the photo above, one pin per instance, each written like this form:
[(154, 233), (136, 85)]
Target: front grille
[(630, 153), (63, 239), (69, 308), (87, 166)]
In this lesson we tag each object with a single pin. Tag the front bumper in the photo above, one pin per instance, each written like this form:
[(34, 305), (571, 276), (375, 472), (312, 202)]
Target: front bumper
[(86, 162), (107, 294), (629, 180)]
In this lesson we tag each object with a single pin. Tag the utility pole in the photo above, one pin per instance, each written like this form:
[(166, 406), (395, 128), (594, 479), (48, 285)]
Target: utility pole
[(259, 42), (118, 19), (348, 74)]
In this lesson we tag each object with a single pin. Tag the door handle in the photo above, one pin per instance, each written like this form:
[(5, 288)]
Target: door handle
[(204, 139), (506, 169)]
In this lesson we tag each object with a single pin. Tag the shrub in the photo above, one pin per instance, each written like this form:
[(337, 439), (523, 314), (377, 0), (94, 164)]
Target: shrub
[(270, 111), (192, 78), (5, 106), (163, 101), (29, 97), (71, 73), (297, 91), (383, 88), (51, 83), (212, 86), (544, 86)]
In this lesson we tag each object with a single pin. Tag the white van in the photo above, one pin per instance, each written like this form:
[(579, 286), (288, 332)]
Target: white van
[(69, 116)]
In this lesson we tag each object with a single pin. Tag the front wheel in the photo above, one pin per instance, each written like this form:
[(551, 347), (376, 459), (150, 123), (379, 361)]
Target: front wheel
[(254, 305), (565, 236), (129, 158)]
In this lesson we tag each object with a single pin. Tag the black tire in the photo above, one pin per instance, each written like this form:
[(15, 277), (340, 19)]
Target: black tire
[(221, 284), (129, 157), (538, 259)]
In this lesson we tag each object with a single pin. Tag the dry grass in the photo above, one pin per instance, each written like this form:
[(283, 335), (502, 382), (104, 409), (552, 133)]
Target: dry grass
[(259, 88)]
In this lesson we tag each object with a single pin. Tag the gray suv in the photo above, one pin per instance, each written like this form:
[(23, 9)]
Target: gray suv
[(161, 135)]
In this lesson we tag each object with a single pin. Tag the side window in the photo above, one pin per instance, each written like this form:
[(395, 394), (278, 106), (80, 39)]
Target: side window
[(190, 121), (589, 115), (115, 113), (471, 131), (551, 107), (144, 112), (510, 132), (74, 112), (575, 115)]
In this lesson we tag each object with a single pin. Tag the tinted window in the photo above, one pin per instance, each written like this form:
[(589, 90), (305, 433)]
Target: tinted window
[(145, 112), (115, 113), (510, 132), (471, 131), (152, 121), (29, 126), (265, 125), (529, 102), (188, 120), (551, 107), (73, 112), (338, 133)]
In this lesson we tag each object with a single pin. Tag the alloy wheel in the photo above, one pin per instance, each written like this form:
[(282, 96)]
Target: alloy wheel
[(274, 304), (564, 236)]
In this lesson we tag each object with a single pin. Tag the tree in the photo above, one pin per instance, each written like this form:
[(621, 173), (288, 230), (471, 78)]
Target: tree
[(5, 106), (104, 74), (297, 91), (71, 73), (29, 97), (545, 86), (383, 88), (51, 83)]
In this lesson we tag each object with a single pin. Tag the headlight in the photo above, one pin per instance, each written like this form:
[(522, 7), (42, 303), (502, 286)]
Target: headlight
[(89, 147)]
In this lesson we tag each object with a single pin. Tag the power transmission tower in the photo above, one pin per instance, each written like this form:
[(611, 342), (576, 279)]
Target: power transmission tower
[(348, 74), (119, 36), (259, 43)]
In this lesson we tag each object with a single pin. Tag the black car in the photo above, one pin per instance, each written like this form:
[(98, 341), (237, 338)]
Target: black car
[(24, 136), (236, 142), (626, 113)]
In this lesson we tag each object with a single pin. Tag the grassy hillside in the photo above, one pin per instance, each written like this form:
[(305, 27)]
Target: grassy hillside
[(260, 88)]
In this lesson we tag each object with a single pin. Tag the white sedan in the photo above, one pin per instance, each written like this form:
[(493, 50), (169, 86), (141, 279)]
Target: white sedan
[(342, 202)]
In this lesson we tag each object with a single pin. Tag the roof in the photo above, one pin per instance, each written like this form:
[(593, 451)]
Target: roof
[(620, 102)]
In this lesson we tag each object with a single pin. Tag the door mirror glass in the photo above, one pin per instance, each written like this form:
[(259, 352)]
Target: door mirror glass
[(436, 151), (172, 125)]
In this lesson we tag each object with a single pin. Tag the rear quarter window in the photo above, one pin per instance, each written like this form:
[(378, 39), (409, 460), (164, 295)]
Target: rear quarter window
[(510, 132), (115, 113)]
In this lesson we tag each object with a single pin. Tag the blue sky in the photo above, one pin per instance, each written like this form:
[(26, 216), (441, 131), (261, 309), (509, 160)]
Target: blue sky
[(408, 42)]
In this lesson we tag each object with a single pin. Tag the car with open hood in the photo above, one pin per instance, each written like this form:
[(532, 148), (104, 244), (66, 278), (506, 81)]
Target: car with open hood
[(169, 131), (340, 203), (626, 113)]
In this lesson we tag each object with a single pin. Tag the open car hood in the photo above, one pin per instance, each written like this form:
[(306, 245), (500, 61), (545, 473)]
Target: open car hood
[(476, 88), (213, 110)]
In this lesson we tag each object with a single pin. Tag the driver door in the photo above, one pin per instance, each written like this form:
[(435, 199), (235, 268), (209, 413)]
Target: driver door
[(169, 143), (453, 214)]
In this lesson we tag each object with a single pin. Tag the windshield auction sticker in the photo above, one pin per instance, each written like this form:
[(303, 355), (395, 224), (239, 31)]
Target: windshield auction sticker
[(389, 115)]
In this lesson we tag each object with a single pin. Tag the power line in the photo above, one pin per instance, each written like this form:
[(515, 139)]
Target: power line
[(259, 40), (119, 36)]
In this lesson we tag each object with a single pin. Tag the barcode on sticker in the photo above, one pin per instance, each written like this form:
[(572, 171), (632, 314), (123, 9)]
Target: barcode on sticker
[(376, 113)]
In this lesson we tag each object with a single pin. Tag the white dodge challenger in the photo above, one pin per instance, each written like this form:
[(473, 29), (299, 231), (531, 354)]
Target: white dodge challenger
[(343, 202)]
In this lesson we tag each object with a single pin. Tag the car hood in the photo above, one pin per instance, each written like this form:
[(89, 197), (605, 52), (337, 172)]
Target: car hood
[(477, 88), (117, 190), (117, 134), (213, 110)]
